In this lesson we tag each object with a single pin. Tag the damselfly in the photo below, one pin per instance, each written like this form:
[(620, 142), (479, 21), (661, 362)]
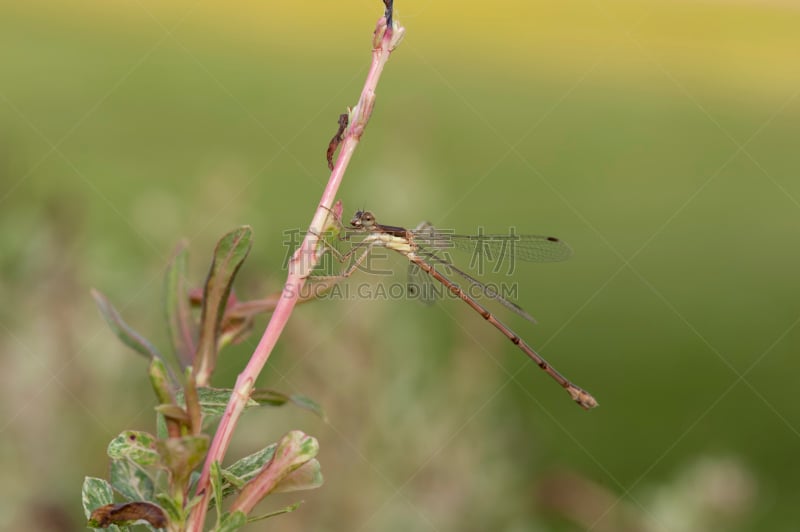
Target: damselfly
[(424, 246)]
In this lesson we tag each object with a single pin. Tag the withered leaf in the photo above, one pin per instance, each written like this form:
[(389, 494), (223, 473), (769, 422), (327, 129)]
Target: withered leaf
[(128, 512)]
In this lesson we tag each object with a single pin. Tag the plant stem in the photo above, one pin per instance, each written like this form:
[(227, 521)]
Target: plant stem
[(300, 266)]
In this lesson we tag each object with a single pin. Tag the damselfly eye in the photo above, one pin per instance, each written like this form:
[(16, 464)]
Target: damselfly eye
[(356, 220)]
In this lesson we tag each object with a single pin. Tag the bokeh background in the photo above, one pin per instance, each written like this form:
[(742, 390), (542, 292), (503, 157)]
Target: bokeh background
[(659, 138)]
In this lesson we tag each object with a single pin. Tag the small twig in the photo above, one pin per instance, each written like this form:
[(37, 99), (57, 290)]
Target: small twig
[(303, 261)]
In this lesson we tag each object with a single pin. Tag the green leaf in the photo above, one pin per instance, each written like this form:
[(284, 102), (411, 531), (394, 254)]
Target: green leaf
[(216, 486), (182, 327), (229, 255), (249, 466), (243, 470), (194, 501), (161, 426), (232, 522), (124, 332), (131, 481), (182, 455), (171, 507), (289, 509), (160, 381), (137, 446), (294, 450), (232, 483), (172, 412), (213, 401), (96, 493), (265, 396), (234, 330), (307, 477), (309, 404)]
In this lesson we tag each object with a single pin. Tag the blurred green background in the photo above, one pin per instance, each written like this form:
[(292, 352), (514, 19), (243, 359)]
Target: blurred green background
[(659, 138)]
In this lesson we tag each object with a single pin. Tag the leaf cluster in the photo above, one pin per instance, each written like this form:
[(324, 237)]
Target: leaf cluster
[(153, 478)]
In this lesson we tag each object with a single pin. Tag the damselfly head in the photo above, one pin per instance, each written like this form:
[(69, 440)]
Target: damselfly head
[(362, 220)]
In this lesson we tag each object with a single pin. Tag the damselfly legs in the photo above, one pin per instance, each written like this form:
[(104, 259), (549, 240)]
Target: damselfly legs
[(424, 248)]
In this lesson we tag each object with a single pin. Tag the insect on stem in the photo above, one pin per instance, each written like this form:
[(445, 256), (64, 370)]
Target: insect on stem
[(337, 139), (421, 248)]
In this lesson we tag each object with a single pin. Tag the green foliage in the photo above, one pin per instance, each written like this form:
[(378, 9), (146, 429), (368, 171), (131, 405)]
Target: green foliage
[(124, 332), (132, 481), (181, 455), (154, 476), (232, 522), (216, 486), (229, 255), (293, 451), (246, 468), (137, 446), (182, 328), (96, 493), (274, 398), (214, 400), (306, 477)]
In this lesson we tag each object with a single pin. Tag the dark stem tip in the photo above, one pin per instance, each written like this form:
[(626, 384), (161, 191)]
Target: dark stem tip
[(389, 12)]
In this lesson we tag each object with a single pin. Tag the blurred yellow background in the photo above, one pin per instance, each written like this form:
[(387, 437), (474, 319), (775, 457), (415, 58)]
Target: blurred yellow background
[(658, 138)]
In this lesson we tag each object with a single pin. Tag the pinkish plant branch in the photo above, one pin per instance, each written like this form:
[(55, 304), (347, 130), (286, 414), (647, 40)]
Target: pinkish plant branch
[(293, 451), (300, 266)]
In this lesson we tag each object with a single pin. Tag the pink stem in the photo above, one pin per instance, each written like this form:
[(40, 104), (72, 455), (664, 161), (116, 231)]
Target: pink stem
[(300, 266)]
